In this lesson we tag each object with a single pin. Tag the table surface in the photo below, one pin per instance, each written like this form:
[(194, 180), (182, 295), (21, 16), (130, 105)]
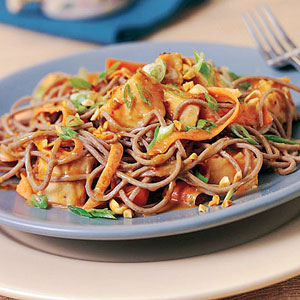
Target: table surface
[(215, 21)]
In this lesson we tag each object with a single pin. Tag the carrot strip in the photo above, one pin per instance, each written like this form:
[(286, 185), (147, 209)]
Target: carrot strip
[(131, 66), (162, 146), (114, 158), (24, 188)]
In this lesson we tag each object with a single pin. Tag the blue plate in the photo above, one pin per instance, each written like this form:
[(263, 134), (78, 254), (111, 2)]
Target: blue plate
[(273, 189)]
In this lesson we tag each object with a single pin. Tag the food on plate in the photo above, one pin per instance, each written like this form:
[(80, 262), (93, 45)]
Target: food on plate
[(140, 139)]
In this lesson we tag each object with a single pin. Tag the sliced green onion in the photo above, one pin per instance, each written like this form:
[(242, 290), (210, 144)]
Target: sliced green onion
[(278, 139), (201, 177), (40, 201), (104, 74), (174, 90), (201, 124), (101, 213), (68, 133), (80, 108), (241, 132), (212, 102), (199, 58), (165, 131), (154, 137), (97, 104), (206, 71), (126, 93), (79, 83), (156, 70), (72, 121), (92, 213), (39, 92), (229, 195), (141, 91), (79, 211)]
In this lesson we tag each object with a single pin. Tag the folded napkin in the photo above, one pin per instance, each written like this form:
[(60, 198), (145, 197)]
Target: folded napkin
[(139, 19)]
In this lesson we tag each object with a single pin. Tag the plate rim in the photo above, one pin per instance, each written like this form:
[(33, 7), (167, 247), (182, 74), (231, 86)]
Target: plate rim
[(139, 231)]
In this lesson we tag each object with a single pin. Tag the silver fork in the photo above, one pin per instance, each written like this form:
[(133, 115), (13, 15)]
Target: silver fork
[(272, 41)]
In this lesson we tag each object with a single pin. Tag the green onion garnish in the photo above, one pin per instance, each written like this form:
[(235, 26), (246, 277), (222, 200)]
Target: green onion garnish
[(141, 91), (104, 74), (174, 90), (68, 133), (228, 195), (126, 93), (278, 139), (202, 124), (92, 213), (212, 102), (159, 70), (39, 201), (97, 104), (201, 177), (199, 58), (72, 121), (79, 83), (154, 137), (241, 132)]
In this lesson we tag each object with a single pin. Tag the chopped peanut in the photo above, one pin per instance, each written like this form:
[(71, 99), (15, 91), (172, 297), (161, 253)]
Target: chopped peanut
[(179, 126), (224, 182), (198, 89), (188, 85), (202, 208), (116, 207), (58, 129), (128, 213), (191, 73), (227, 203), (215, 200), (105, 125), (193, 156)]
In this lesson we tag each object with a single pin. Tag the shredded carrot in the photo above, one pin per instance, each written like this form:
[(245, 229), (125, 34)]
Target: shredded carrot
[(141, 198), (93, 77), (220, 94), (131, 66), (114, 158)]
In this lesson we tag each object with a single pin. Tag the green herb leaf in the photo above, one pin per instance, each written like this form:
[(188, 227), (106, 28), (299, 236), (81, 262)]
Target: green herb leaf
[(101, 213), (104, 74), (127, 93), (79, 211), (141, 91), (199, 58), (154, 137), (174, 90), (73, 121), (244, 85), (79, 83), (39, 201), (201, 177), (68, 133), (241, 132), (212, 102), (278, 139), (206, 70)]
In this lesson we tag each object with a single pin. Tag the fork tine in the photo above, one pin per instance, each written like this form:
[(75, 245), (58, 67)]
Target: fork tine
[(274, 21), (256, 38), (262, 31), (271, 31)]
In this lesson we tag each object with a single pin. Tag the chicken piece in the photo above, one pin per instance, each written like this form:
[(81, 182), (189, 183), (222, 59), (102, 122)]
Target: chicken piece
[(62, 193), (275, 102), (174, 67), (189, 115), (217, 167), (132, 117)]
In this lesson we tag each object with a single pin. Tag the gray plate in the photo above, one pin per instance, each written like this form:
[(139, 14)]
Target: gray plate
[(273, 189)]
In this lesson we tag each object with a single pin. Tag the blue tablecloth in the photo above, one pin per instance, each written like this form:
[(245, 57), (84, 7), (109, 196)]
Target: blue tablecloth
[(136, 21)]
